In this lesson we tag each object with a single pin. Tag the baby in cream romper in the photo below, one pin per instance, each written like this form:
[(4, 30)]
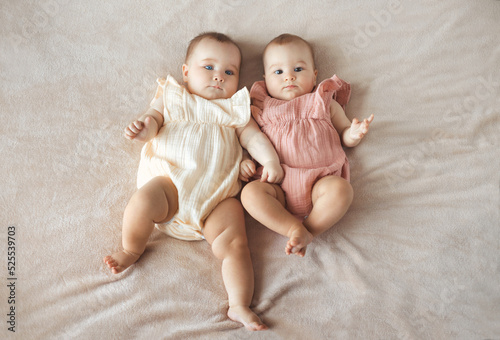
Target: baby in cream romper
[(198, 149)]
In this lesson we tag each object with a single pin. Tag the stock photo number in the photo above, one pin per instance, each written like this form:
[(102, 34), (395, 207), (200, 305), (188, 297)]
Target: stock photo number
[(11, 278)]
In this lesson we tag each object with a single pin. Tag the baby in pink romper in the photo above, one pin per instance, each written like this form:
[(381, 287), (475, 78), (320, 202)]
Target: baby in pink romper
[(307, 129)]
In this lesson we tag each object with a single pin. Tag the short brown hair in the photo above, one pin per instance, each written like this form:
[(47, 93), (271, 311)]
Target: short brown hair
[(287, 38), (220, 37)]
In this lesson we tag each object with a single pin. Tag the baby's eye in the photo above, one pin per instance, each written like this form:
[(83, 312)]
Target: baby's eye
[(229, 73), (278, 71), (298, 69), (209, 67)]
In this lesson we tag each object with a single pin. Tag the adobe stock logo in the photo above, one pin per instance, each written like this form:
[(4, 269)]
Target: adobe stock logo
[(34, 24), (480, 104), (373, 28), (484, 89)]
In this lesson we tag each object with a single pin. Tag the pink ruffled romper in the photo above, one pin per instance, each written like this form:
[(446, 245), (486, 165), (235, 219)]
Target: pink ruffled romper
[(302, 133)]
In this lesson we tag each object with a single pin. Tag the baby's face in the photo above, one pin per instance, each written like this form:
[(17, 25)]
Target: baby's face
[(289, 70), (212, 70)]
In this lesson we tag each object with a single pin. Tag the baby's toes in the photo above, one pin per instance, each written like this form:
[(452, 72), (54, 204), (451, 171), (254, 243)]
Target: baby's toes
[(255, 326), (289, 247), (301, 252), (111, 262)]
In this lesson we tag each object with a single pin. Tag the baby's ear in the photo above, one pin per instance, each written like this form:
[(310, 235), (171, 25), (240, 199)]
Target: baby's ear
[(185, 69), (315, 76)]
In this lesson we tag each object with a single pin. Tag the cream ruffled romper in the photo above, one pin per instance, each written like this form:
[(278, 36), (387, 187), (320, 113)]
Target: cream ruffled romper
[(198, 148)]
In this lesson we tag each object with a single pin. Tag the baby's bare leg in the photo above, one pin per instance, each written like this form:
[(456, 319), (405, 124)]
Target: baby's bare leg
[(225, 232), (331, 198), (266, 203), (155, 202)]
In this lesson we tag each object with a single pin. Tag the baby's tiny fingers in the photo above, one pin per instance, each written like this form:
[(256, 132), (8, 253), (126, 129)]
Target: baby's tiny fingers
[(128, 132), (137, 126), (247, 173), (248, 170), (132, 129), (264, 176), (129, 135)]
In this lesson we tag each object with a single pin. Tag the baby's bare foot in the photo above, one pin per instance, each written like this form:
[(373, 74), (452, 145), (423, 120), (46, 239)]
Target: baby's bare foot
[(299, 238), (121, 260), (245, 316)]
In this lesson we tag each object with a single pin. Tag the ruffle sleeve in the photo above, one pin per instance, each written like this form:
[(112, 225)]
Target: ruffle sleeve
[(258, 94), (341, 89), (157, 101), (240, 102)]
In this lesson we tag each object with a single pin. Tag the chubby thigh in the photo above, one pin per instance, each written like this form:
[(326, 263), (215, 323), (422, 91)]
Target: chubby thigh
[(226, 220), (162, 196)]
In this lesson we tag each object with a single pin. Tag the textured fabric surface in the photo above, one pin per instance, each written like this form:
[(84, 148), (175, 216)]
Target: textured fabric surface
[(417, 255)]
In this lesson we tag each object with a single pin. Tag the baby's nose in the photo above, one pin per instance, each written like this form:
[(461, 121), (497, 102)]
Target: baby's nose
[(289, 77), (218, 77)]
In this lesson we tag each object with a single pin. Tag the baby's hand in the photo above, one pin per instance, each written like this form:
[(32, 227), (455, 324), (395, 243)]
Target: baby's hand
[(359, 129), (247, 170), (272, 173), (138, 130)]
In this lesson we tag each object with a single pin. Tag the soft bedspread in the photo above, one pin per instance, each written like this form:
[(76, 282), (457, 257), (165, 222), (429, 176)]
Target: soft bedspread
[(417, 255)]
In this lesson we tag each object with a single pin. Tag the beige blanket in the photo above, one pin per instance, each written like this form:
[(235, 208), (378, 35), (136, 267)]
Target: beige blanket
[(417, 255)]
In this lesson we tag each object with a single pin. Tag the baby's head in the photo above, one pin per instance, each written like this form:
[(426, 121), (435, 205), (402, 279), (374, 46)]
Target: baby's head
[(212, 66), (289, 69)]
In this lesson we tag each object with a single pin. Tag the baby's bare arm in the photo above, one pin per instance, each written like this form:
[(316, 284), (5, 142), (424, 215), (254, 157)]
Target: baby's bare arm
[(350, 133), (146, 127), (261, 149)]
